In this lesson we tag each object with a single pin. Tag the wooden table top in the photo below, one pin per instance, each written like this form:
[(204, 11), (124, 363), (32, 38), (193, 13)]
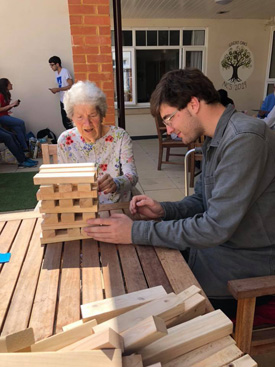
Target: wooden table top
[(43, 286)]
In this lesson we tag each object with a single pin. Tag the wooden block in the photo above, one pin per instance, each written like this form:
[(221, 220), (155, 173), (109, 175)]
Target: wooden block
[(77, 223), (87, 216), (16, 341), (84, 187), (145, 332), (187, 336), (197, 356), (72, 232), (75, 324), (73, 209), (98, 358), (66, 170), (65, 188), (134, 360), (47, 204), (59, 178), (50, 218), (61, 235), (67, 217), (63, 339), (111, 307), (66, 203), (46, 189), (168, 306), (74, 194), (245, 361), (48, 233), (108, 339), (86, 203), (193, 307), (68, 165)]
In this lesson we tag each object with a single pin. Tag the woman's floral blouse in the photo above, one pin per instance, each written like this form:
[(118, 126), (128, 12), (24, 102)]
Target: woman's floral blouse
[(112, 153)]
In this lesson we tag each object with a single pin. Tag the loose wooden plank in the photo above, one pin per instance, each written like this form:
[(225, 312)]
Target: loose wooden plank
[(46, 294), (173, 265), (107, 339), (63, 339), (66, 170), (11, 271), (152, 268), (145, 332), (198, 355), (61, 235), (91, 272), (21, 304), (16, 341), (67, 165), (193, 307), (19, 216), (245, 361), (163, 307), (98, 358), (59, 178), (132, 270), (69, 295), (119, 205), (112, 307), (134, 360), (77, 323), (187, 336)]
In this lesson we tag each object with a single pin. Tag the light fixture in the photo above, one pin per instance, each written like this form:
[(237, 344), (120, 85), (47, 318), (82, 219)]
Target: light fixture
[(223, 2)]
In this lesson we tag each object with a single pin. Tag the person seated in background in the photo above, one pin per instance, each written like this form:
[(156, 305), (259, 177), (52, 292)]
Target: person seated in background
[(11, 142), (270, 119), (7, 121), (225, 100), (267, 105), (90, 140)]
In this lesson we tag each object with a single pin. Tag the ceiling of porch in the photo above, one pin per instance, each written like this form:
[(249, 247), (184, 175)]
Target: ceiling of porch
[(198, 9)]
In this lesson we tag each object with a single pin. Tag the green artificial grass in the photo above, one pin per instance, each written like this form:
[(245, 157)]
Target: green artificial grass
[(17, 191)]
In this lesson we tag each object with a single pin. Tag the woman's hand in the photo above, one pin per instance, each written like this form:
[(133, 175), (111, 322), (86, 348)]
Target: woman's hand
[(143, 205), (15, 104), (107, 184)]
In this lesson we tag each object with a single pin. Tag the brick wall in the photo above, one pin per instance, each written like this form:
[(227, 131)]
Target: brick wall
[(91, 44)]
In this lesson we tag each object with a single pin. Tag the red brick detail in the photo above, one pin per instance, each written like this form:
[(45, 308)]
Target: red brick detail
[(97, 40), (99, 58), (106, 68), (105, 31), (86, 68), (80, 76), (96, 2), (82, 9), (105, 50), (76, 19), (78, 30), (109, 95), (77, 40), (97, 20), (103, 10), (74, 2), (79, 59), (108, 85), (86, 50)]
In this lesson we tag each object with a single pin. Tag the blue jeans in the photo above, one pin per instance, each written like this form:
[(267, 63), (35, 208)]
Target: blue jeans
[(18, 126), (9, 139)]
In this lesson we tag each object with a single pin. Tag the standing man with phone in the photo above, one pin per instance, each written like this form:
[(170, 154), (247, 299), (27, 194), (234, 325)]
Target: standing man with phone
[(64, 82)]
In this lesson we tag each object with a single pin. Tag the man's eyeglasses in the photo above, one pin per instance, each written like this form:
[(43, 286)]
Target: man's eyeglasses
[(167, 120)]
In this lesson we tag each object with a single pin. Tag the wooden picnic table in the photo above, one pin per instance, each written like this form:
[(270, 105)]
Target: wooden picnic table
[(43, 286)]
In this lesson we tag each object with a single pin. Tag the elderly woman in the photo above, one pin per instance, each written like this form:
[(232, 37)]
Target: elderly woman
[(109, 147)]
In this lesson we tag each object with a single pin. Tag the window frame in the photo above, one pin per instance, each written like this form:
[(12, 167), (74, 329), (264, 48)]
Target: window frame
[(269, 80), (182, 52)]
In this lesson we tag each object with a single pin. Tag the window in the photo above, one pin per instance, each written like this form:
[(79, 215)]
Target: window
[(153, 53)]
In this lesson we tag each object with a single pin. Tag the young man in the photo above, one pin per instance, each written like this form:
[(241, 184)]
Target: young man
[(64, 81), (228, 224)]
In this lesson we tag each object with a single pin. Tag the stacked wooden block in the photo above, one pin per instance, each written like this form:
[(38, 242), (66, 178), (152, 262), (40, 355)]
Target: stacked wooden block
[(144, 328), (68, 194)]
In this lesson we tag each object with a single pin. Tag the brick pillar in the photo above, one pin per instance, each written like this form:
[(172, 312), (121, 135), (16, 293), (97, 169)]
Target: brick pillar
[(91, 45)]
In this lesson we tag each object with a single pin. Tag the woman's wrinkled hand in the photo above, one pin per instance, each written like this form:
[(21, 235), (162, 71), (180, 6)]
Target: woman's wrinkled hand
[(106, 184), (145, 206)]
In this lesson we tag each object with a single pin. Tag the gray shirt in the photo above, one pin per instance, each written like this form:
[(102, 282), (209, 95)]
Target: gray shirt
[(229, 223)]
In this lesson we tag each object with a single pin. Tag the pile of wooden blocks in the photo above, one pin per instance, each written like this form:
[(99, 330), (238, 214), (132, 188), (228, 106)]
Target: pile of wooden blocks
[(68, 194), (143, 328)]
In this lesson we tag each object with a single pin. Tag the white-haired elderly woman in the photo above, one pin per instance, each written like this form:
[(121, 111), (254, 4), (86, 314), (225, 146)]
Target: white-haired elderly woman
[(109, 147)]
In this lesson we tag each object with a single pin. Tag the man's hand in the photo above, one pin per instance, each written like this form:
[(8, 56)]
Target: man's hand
[(145, 206), (54, 90), (115, 229), (107, 184)]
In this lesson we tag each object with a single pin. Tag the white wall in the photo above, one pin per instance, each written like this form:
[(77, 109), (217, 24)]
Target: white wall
[(31, 32)]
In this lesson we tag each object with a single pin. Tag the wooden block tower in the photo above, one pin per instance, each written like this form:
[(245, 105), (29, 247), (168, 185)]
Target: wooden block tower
[(68, 194)]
